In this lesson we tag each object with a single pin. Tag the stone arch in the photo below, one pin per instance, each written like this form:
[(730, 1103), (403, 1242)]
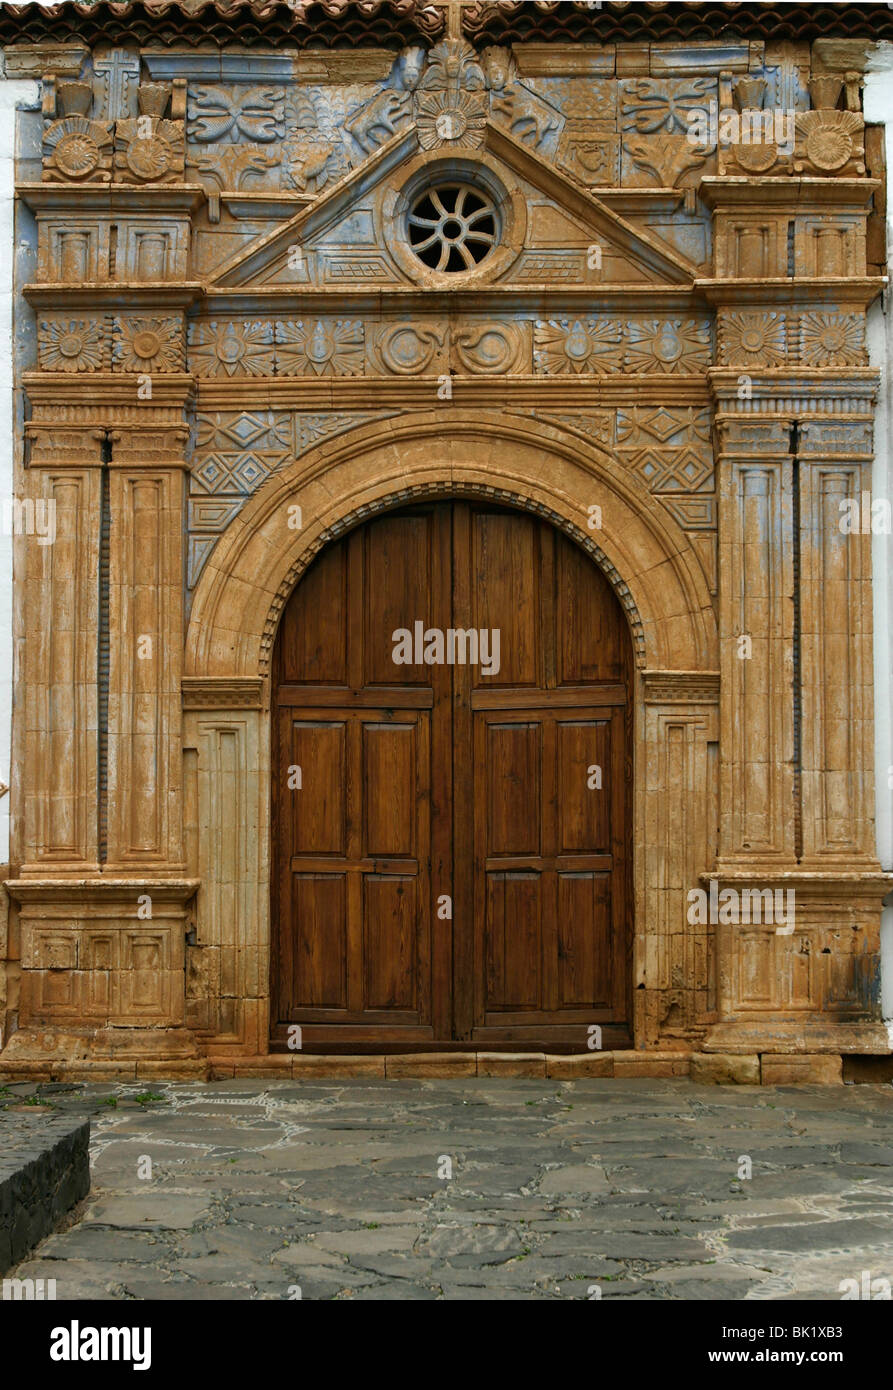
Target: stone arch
[(516, 460)]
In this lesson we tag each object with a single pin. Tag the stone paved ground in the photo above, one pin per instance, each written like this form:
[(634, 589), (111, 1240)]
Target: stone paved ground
[(633, 1186)]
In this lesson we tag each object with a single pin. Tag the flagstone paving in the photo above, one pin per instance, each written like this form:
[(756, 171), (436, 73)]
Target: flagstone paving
[(457, 1189)]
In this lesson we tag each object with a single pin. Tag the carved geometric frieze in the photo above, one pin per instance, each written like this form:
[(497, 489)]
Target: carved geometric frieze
[(233, 455), (669, 449), (832, 340), (335, 347), (693, 513), (231, 348), (410, 348), (752, 337), (324, 346)]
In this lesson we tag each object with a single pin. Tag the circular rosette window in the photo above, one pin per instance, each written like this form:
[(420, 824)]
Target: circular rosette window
[(453, 227), (453, 222)]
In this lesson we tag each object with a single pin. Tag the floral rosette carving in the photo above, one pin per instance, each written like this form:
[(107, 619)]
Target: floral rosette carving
[(231, 349), (148, 150), (752, 339), (829, 141), (668, 345), (832, 340), (73, 345), (451, 118), (77, 150), (575, 346), (331, 348), (148, 345)]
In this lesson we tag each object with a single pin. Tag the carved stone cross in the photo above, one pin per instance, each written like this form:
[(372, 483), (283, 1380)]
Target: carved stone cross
[(117, 75)]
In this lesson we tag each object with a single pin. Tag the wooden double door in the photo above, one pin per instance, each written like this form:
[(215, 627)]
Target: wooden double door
[(451, 789)]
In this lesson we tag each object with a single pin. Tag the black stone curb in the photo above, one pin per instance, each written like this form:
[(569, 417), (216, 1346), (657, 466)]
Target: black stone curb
[(44, 1170)]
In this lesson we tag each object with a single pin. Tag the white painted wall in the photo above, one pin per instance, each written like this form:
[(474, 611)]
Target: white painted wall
[(12, 95), (878, 100)]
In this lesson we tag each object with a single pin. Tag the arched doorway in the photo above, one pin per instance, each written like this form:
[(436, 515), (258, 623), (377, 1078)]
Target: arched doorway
[(451, 789)]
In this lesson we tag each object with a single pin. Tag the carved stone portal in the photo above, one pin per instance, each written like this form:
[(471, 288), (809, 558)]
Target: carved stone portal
[(279, 296)]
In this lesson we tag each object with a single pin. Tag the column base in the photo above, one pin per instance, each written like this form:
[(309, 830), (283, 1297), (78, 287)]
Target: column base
[(770, 1034)]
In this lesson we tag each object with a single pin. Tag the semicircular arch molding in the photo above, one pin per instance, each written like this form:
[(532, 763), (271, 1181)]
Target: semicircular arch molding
[(510, 460)]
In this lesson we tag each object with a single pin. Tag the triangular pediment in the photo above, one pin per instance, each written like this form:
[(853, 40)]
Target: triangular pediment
[(342, 237)]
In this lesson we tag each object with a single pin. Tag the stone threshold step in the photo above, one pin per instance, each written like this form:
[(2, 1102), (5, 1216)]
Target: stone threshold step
[(702, 1068)]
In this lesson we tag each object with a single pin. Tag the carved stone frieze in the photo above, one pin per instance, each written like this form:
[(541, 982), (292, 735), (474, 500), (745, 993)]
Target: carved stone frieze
[(606, 344), (777, 338)]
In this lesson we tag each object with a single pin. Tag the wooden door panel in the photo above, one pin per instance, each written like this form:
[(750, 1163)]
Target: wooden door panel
[(397, 585), (319, 973), (505, 569), (391, 911), (390, 760), (513, 789), (319, 804), (584, 807), (514, 930), (591, 644), (312, 642), (549, 865), (357, 880), (585, 931)]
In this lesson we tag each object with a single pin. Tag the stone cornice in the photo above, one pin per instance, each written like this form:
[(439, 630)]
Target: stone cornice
[(802, 290), (680, 687), (172, 390), (222, 692), (421, 393), (849, 390), (105, 197), (546, 300), (718, 191), (113, 296), (62, 890)]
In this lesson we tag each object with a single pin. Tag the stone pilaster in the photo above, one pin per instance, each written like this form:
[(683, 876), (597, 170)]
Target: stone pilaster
[(756, 640), (56, 634), (835, 459), (145, 646)]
